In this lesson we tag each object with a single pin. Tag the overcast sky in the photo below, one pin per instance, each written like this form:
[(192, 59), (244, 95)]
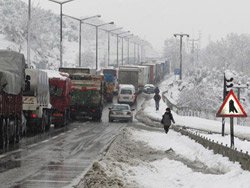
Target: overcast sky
[(156, 20)]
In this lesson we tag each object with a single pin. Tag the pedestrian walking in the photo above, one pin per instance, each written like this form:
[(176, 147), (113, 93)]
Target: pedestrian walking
[(167, 118), (157, 99)]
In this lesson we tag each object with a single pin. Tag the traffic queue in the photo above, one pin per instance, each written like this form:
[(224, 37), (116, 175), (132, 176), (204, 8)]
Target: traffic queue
[(31, 100)]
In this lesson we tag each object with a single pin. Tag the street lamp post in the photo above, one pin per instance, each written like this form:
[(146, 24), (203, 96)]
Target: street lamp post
[(117, 45), (126, 36), (96, 27), (181, 36), (109, 31), (61, 3), (28, 37), (80, 32)]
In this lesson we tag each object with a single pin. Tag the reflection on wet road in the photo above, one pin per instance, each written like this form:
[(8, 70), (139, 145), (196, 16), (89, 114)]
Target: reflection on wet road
[(60, 160)]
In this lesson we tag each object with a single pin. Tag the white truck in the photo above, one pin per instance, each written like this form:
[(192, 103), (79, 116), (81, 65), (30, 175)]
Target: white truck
[(135, 75), (36, 100)]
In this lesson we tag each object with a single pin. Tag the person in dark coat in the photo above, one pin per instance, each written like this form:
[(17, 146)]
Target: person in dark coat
[(157, 90), (167, 118), (157, 99)]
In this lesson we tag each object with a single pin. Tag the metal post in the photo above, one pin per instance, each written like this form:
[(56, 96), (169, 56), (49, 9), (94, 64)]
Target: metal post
[(28, 37), (238, 95), (80, 44), (134, 55), (181, 57), (117, 50), (122, 50), (61, 63), (96, 48), (232, 131), (138, 52), (128, 51), (181, 36), (224, 96), (108, 48)]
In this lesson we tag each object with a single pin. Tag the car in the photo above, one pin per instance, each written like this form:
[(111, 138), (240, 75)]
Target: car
[(120, 112), (126, 94), (149, 89)]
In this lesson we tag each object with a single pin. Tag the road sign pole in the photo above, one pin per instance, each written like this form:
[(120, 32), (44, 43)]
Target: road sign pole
[(232, 131)]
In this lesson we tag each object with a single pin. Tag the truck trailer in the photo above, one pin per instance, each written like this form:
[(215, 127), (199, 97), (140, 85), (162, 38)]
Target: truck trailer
[(12, 74)]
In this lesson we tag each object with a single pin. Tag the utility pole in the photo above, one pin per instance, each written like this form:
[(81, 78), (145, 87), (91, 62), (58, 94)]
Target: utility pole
[(238, 87), (181, 36), (80, 32), (61, 4), (193, 41), (28, 37)]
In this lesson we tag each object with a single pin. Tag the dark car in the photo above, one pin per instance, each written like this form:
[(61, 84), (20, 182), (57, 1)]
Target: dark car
[(149, 89), (120, 112)]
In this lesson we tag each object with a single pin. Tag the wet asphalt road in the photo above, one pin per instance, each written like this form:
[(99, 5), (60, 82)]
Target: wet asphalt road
[(61, 160)]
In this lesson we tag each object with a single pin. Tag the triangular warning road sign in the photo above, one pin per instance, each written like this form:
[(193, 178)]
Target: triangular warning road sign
[(231, 107)]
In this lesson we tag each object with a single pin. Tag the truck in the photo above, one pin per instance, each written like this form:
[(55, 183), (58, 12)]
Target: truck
[(36, 101), (135, 75), (110, 83), (12, 76), (60, 97), (151, 72), (86, 93)]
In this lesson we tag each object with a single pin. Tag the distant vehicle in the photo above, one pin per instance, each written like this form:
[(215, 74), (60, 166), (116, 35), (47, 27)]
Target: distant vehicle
[(110, 82), (120, 112), (149, 89), (126, 94)]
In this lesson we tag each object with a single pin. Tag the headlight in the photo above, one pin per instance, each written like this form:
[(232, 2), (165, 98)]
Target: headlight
[(128, 113)]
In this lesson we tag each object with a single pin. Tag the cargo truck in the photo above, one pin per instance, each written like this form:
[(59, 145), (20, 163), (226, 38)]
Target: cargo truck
[(60, 98), (86, 93), (110, 82), (36, 100), (12, 74), (135, 75)]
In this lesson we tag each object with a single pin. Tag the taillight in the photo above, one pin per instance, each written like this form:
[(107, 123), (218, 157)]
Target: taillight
[(93, 110), (33, 115)]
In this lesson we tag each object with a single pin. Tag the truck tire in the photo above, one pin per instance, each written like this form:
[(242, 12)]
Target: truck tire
[(2, 133), (18, 130), (7, 142), (43, 124), (48, 122)]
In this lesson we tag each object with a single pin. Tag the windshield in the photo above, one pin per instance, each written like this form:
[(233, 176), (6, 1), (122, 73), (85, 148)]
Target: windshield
[(55, 91), (121, 107), (126, 91)]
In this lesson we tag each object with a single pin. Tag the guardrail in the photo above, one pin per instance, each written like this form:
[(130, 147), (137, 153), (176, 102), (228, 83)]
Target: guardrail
[(232, 153), (187, 111)]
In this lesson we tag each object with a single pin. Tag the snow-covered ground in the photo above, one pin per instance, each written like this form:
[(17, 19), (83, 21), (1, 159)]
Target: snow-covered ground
[(150, 158)]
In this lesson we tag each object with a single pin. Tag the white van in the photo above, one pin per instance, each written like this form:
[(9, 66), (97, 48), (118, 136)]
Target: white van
[(126, 94)]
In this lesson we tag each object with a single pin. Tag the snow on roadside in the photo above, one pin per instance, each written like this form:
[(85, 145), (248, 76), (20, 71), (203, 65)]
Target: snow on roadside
[(142, 158), (176, 173)]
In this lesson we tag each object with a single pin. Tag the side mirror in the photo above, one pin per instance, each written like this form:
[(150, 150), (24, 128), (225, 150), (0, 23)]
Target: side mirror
[(110, 108)]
